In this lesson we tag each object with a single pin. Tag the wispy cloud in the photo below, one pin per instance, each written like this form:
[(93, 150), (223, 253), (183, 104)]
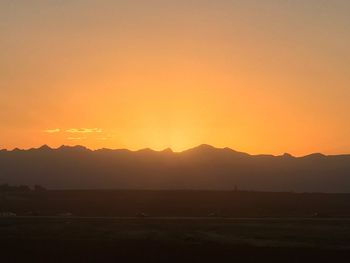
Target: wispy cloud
[(52, 130), (77, 138), (84, 130), (104, 138)]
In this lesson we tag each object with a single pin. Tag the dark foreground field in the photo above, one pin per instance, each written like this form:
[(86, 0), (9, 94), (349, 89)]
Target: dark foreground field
[(43, 239), (182, 203), (173, 226)]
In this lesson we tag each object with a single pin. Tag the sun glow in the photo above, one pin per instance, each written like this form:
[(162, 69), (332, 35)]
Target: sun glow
[(176, 74)]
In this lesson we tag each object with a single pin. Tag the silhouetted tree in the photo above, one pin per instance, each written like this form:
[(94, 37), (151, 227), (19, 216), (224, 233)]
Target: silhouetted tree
[(8, 188)]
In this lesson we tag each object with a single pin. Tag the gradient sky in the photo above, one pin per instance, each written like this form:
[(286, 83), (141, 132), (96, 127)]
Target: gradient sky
[(260, 76)]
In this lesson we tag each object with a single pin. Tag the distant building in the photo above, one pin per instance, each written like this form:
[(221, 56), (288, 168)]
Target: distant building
[(7, 214)]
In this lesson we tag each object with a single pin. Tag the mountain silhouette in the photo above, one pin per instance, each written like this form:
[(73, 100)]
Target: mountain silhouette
[(202, 167)]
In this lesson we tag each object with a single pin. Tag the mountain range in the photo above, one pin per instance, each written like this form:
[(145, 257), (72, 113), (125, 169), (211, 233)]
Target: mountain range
[(203, 167)]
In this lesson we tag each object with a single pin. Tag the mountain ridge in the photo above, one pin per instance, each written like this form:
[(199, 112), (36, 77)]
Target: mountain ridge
[(202, 167), (201, 147)]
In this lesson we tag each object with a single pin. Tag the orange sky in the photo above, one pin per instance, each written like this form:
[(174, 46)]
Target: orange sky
[(257, 76)]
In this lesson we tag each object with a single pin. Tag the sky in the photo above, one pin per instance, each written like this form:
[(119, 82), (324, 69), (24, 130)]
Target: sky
[(257, 76)]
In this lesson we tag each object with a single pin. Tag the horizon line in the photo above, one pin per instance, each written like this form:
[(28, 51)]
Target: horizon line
[(168, 149)]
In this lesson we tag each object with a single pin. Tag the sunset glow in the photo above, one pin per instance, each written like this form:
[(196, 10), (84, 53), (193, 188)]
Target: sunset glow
[(256, 76)]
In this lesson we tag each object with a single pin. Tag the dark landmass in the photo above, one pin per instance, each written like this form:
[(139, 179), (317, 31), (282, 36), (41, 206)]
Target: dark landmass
[(223, 223), (203, 167), (38, 225), (175, 203), (173, 240)]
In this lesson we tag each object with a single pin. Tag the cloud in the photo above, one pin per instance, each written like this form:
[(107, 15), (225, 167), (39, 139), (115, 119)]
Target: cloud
[(77, 138), (104, 138), (52, 130), (84, 130)]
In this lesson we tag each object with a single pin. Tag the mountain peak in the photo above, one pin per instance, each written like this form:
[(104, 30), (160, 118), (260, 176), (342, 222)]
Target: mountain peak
[(315, 155), (203, 147), (287, 155), (208, 150), (145, 150), (168, 150), (17, 150), (45, 147), (72, 148)]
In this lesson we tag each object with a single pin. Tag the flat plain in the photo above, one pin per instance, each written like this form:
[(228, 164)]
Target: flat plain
[(152, 226)]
